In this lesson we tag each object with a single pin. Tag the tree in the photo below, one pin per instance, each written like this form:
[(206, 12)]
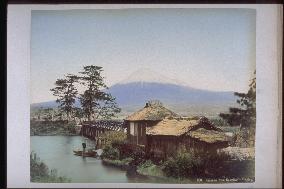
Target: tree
[(96, 103), (48, 114), (245, 116), (66, 92), (79, 113)]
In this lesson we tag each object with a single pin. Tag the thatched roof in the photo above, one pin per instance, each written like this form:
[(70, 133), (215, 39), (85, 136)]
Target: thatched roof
[(171, 126), (153, 111), (178, 126), (209, 136), (199, 128)]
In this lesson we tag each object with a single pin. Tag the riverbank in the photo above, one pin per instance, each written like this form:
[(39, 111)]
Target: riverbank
[(52, 128), (151, 170), (156, 171)]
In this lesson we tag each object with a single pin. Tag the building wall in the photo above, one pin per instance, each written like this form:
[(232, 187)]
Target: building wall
[(136, 132)]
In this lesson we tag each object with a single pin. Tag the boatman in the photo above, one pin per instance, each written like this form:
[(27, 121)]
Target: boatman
[(84, 148)]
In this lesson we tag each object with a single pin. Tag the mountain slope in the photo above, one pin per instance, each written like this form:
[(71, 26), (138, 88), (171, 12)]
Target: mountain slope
[(137, 93)]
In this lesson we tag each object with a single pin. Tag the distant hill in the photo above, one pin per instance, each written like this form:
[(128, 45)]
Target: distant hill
[(50, 104)]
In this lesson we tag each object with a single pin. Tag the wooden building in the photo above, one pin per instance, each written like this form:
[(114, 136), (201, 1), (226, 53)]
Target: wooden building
[(150, 115), (192, 134)]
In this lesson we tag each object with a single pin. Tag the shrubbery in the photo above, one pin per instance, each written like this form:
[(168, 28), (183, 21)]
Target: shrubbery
[(52, 128), (117, 148), (194, 165), (207, 165), (110, 153), (219, 122), (150, 169), (183, 165), (71, 127), (137, 153), (147, 163), (245, 138), (113, 138)]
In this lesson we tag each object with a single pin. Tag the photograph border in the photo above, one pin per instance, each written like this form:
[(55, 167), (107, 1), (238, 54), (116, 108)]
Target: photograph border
[(18, 67)]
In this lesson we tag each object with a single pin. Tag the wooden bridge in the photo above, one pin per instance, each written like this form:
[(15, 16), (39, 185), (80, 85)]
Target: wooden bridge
[(93, 130)]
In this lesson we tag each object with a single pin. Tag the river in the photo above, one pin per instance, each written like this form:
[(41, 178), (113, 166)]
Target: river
[(57, 153)]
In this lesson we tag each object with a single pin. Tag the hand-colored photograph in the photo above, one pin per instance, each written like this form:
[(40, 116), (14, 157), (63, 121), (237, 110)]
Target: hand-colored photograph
[(143, 95)]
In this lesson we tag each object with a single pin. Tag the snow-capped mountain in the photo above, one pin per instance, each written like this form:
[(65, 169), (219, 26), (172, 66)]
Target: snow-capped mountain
[(146, 75), (145, 84)]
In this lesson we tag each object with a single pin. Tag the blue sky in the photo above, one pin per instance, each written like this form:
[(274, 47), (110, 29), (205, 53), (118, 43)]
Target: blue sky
[(210, 49)]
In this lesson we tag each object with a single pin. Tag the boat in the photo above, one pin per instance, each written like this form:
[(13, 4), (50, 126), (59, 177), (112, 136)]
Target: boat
[(87, 153)]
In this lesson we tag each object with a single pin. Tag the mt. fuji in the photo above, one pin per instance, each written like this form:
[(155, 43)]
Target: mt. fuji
[(146, 75), (145, 84)]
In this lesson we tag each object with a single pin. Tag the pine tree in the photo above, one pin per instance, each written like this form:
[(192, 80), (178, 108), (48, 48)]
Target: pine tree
[(245, 116), (66, 92), (96, 103)]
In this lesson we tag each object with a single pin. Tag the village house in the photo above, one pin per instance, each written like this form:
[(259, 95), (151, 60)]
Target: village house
[(150, 115), (163, 132), (191, 134)]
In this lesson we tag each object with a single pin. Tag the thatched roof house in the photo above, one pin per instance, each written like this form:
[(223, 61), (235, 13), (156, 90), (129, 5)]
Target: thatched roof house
[(199, 128), (136, 123), (197, 133)]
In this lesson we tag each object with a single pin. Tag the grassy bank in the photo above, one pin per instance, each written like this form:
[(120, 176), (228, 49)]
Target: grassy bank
[(150, 169), (50, 128)]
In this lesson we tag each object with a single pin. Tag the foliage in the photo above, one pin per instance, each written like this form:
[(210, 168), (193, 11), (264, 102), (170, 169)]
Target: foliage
[(207, 165), (193, 165), (79, 113), (218, 122), (40, 172), (113, 138), (246, 115), (120, 149), (137, 153), (52, 128), (117, 148), (124, 163), (244, 137), (182, 166), (71, 127), (150, 169), (147, 163), (95, 101), (110, 153), (66, 92)]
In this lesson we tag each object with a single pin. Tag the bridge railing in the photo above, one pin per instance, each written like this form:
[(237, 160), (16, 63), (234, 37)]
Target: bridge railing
[(94, 129)]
